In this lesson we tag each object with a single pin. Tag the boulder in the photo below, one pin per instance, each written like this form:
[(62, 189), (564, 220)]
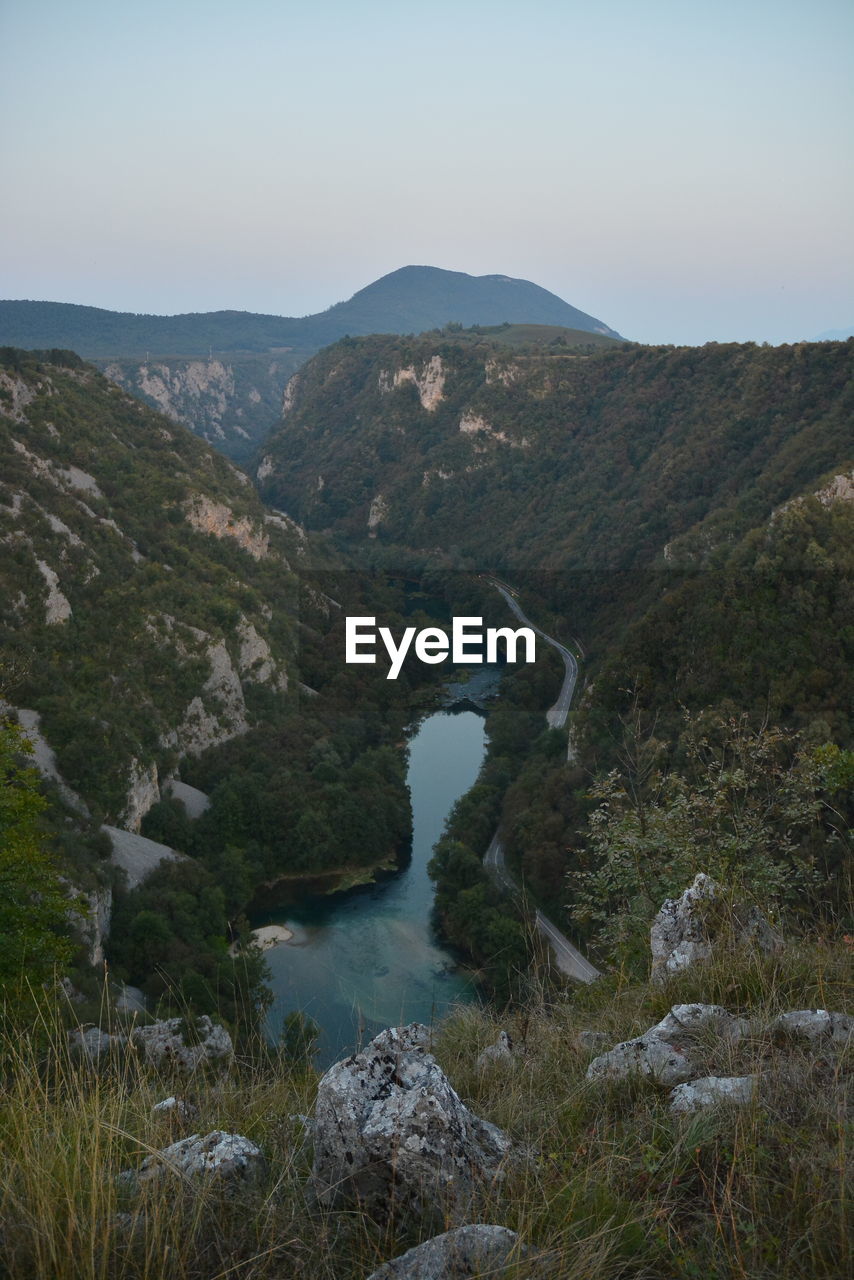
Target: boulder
[(645, 1056), (815, 1025), (501, 1051), (685, 1019), (667, 1051), (682, 933), (226, 1157), (93, 1042), (456, 1255), (711, 1090), (172, 1043), (176, 1108), (389, 1128)]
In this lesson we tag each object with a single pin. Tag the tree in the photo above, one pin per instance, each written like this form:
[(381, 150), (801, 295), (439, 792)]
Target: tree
[(740, 813), (33, 906)]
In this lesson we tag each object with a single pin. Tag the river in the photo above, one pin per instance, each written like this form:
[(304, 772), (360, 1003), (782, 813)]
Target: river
[(368, 958)]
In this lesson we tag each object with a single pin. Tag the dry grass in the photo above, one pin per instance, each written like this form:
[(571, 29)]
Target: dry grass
[(610, 1184)]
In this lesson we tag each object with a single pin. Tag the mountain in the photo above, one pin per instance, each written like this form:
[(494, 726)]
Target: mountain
[(417, 298), (158, 626), (836, 335), (222, 373), (405, 301), (617, 460)]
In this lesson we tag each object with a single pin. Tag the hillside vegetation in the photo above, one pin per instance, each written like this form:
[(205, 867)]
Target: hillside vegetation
[(556, 460), (158, 623), (222, 373), (685, 517)]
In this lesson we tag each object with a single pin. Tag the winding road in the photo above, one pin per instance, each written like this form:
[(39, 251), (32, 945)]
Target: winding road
[(567, 957)]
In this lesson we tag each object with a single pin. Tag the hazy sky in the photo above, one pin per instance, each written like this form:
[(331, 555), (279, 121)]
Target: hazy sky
[(682, 170)]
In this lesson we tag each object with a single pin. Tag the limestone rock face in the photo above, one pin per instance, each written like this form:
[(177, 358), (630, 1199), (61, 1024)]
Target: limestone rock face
[(710, 1090), (680, 934), (466, 1251), (389, 1126), (166, 1043), (143, 792), (223, 1156)]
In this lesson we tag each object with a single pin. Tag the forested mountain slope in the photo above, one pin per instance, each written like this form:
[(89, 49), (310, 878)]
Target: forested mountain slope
[(610, 461), (159, 623), (222, 373), (144, 587)]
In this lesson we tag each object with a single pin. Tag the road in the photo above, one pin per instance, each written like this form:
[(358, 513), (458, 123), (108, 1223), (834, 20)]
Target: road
[(567, 957), (556, 715)]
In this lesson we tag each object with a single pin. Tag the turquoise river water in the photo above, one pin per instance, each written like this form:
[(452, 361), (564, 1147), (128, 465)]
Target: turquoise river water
[(368, 958)]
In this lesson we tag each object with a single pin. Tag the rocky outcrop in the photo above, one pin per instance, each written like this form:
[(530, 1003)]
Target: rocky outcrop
[(710, 1091), (289, 395), (475, 424), (390, 1130), (839, 489), (95, 925), (591, 1041), (456, 1255), (501, 1051), (44, 757), (255, 661), (172, 1043), (814, 1026), (142, 794), (429, 381), (217, 519), (377, 513), (177, 1108), (687, 928), (93, 1042), (667, 1052), (57, 608), (218, 714), (218, 1156), (136, 855), (17, 396), (195, 802)]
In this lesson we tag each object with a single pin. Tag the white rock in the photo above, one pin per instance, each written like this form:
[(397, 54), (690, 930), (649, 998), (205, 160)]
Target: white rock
[(176, 1106), (666, 1051), (710, 1090), (815, 1024), (466, 1251), (163, 1043), (501, 1051), (57, 608), (93, 1042), (645, 1056), (194, 801), (143, 792), (224, 1156), (680, 934), (130, 999), (390, 1128), (698, 1017)]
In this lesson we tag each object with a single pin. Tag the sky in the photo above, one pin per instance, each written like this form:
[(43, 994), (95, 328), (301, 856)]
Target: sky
[(683, 171)]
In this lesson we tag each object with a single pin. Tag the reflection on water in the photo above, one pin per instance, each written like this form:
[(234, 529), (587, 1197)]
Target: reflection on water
[(368, 958)]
